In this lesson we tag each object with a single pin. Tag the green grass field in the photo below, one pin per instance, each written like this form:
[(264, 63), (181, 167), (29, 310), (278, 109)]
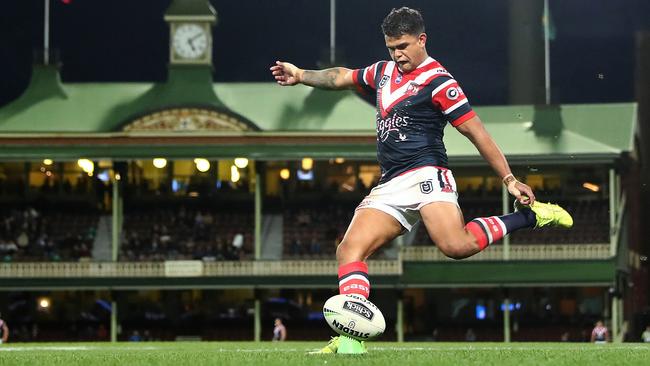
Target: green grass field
[(295, 353)]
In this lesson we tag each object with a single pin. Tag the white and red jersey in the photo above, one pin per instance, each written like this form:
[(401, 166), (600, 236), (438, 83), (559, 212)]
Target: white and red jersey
[(599, 334), (412, 112)]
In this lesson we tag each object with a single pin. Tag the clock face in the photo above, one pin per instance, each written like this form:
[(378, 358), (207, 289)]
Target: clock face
[(190, 41)]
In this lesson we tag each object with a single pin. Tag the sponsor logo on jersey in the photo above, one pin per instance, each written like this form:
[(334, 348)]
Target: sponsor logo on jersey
[(392, 123), (452, 93), (358, 308), (383, 81), (398, 79), (349, 331)]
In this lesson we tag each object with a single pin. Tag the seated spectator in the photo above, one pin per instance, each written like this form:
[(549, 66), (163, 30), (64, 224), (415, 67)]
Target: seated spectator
[(296, 246), (314, 245)]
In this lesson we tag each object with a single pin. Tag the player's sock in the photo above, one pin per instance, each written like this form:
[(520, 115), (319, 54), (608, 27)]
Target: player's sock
[(487, 230), (353, 279)]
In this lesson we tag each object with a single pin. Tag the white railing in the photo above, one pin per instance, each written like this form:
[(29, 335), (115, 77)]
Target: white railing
[(185, 269), (291, 268), (517, 252)]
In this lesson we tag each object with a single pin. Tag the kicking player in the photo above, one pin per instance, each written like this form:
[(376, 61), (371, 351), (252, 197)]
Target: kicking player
[(416, 98)]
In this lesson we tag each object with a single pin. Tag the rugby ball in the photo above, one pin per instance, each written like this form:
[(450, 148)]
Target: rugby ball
[(354, 316)]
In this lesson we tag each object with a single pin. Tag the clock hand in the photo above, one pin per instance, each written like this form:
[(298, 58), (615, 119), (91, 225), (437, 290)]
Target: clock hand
[(196, 36), (189, 41)]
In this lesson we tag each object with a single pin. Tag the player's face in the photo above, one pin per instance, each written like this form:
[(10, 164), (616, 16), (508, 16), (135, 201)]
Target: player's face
[(408, 51)]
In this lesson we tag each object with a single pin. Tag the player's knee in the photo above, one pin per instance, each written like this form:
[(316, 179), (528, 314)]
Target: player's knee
[(458, 249), (345, 253), (454, 253), (351, 251)]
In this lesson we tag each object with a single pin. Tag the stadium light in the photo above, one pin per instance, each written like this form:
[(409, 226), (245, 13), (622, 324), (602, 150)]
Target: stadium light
[(86, 165), (234, 174), (307, 163), (47, 162), (160, 163), (202, 165), (44, 303), (241, 163), (590, 186), (285, 174)]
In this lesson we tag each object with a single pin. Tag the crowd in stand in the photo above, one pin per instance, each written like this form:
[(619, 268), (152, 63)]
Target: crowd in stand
[(28, 234), (314, 233), (180, 232), (175, 234)]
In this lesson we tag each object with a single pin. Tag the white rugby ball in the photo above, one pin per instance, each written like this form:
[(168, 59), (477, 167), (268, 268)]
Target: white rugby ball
[(354, 316)]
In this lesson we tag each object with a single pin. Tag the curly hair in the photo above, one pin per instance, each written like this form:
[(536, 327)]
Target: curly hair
[(403, 21)]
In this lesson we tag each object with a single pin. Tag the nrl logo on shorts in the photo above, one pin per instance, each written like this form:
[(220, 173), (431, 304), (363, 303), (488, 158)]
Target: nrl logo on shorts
[(426, 187), (383, 81)]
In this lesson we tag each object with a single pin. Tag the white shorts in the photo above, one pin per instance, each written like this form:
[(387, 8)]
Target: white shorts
[(403, 196)]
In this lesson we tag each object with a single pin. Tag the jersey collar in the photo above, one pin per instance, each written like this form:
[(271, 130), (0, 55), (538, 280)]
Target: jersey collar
[(424, 66)]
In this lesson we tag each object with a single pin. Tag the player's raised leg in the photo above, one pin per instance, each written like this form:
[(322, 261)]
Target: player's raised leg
[(369, 229), (444, 223)]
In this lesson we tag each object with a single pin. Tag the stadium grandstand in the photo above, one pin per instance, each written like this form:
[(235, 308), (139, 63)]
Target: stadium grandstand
[(189, 209)]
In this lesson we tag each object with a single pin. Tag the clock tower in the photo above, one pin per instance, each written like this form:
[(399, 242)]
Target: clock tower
[(190, 32)]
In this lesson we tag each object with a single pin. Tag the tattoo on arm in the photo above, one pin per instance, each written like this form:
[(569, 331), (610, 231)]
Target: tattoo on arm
[(325, 79)]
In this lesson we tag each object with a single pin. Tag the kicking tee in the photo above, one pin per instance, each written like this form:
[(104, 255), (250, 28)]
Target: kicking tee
[(412, 112)]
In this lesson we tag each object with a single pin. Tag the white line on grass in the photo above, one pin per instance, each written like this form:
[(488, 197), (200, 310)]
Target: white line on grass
[(75, 348)]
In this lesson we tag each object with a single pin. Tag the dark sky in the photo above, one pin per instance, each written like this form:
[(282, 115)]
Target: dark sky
[(593, 54)]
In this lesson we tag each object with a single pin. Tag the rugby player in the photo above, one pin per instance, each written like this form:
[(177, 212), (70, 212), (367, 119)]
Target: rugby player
[(416, 98)]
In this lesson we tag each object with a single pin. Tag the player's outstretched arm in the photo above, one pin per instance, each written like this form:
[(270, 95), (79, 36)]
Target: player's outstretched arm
[(334, 78), (474, 130)]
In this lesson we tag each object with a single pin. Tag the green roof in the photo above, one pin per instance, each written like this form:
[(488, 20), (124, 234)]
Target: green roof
[(190, 9), (51, 109)]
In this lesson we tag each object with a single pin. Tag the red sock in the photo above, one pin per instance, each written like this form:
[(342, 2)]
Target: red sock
[(486, 230), (353, 279)]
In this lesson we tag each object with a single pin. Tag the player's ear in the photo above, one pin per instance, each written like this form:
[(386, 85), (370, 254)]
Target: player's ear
[(422, 39)]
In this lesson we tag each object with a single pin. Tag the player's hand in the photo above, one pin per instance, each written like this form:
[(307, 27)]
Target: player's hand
[(522, 192), (286, 73)]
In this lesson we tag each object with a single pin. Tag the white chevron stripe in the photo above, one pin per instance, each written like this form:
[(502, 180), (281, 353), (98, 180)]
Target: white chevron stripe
[(455, 106), (388, 97)]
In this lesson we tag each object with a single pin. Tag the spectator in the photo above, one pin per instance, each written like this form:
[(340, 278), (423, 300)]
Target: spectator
[(135, 336), (303, 219), (565, 337), (279, 331), (296, 246), (22, 240), (600, 333), (470, 336), (4, 331), (314, 245), (102, 332), (645, 337)]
